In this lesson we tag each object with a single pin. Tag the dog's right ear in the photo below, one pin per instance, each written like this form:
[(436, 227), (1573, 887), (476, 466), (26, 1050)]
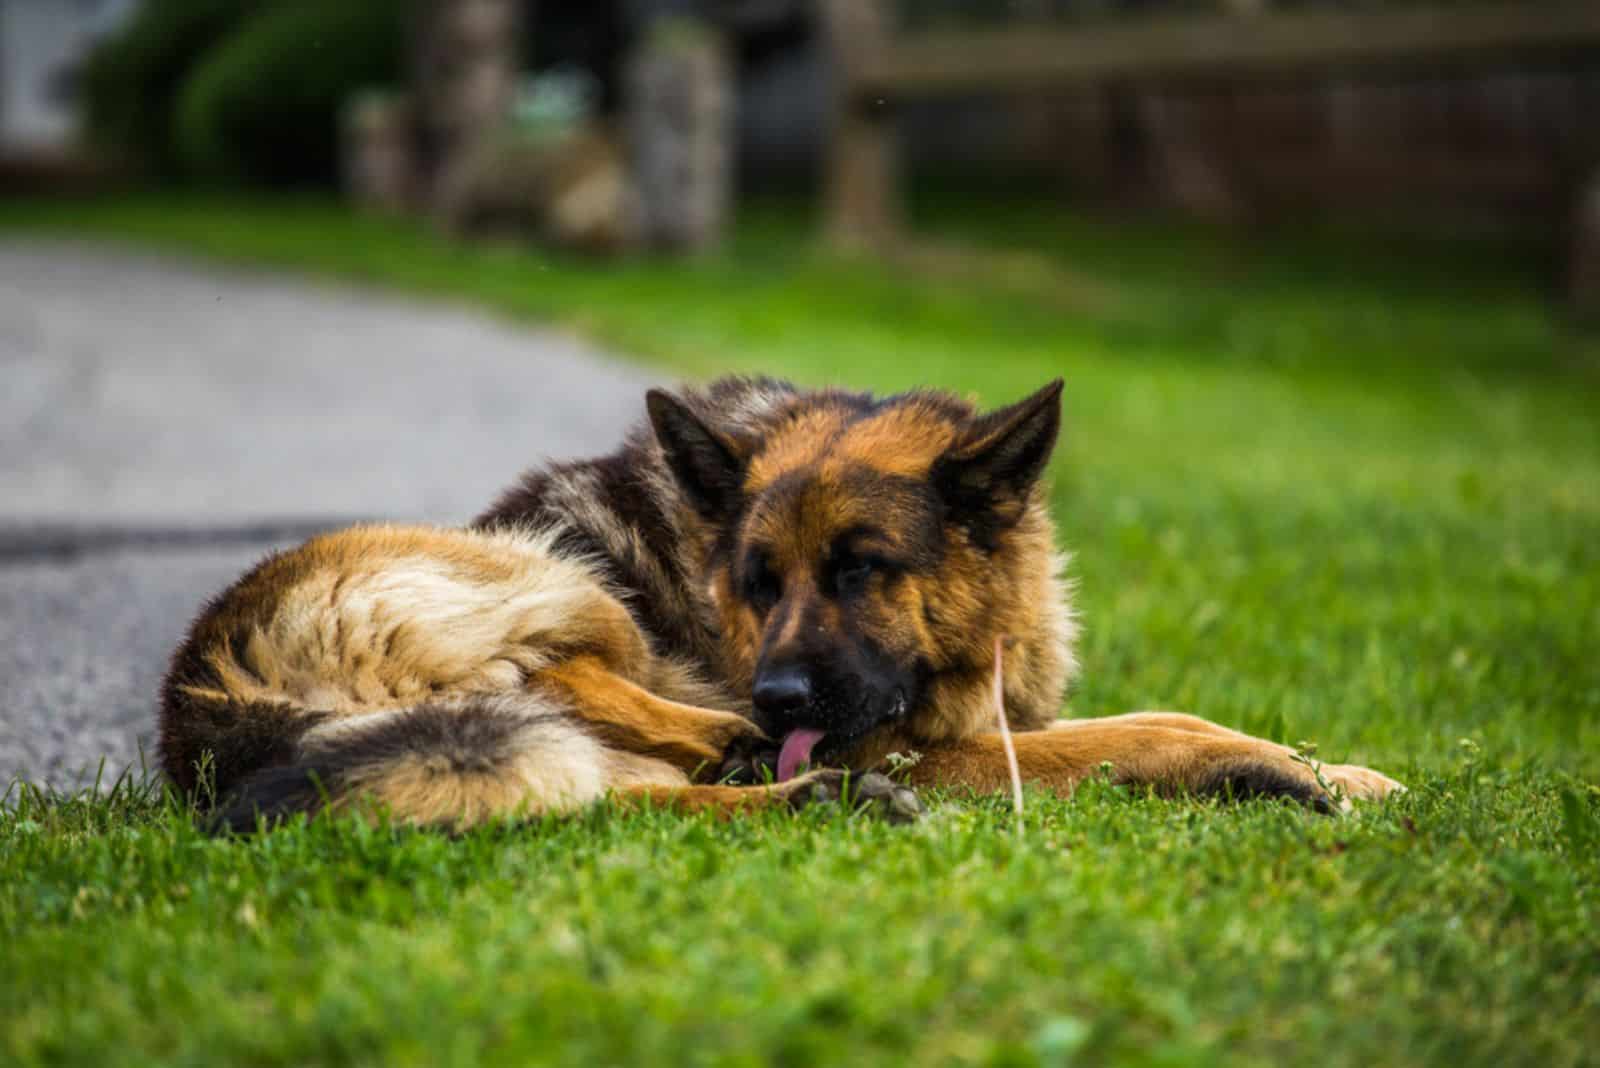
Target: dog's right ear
[(988, 477), (706, 464)]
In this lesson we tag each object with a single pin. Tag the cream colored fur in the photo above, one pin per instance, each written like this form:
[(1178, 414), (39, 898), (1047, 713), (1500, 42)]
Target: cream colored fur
[(377, 631)]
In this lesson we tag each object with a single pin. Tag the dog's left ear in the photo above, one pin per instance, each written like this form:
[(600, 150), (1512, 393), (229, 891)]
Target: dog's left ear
[(708, 465), (997, 460)]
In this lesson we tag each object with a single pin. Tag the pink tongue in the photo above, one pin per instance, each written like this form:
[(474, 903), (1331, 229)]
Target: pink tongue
[(797, 746)]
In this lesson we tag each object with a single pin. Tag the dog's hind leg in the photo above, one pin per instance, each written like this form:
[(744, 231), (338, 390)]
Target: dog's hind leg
[(655, 746), (627, 717)]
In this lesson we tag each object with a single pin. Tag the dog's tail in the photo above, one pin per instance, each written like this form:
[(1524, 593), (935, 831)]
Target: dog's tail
[(452, 764)]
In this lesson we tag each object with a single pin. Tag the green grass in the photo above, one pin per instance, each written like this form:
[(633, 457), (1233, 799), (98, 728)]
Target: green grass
[(1316, 490)]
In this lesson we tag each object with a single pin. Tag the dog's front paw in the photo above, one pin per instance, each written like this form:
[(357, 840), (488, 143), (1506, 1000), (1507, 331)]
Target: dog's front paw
[(872, 793), (751, 760), (1358, 783), (727, 730)]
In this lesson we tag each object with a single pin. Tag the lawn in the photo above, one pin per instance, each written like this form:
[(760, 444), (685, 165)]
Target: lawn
[(1317, 489)]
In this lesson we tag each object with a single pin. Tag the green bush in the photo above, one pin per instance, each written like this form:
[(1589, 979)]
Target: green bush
[(132, 80), (263, 106)]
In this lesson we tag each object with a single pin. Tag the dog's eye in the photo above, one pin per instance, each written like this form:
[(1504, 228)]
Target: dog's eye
[(763, 587), (851, 575)]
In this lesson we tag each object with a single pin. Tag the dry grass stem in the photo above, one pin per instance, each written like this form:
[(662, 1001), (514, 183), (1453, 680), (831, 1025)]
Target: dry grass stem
[(1005, 729)]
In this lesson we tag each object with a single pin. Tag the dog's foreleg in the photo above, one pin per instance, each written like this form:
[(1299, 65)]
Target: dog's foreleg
[(1164, 750)]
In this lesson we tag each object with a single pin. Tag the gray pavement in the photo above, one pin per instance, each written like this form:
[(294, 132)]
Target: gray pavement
[(163, 424)]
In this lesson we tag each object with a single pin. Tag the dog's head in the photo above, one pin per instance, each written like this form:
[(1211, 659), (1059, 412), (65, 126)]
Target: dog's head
[(862, 550)]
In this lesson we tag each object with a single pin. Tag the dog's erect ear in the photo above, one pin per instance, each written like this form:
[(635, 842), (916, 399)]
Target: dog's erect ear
[(706, 464), (1000, 456)]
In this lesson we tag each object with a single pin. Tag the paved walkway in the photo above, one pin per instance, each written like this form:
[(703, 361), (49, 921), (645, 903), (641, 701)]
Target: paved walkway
[(163, 424)]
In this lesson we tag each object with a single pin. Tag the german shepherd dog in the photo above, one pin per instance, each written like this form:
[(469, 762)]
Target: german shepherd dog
[(761, 578)]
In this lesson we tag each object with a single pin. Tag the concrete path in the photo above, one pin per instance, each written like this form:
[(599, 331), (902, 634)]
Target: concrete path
[(163, 424)]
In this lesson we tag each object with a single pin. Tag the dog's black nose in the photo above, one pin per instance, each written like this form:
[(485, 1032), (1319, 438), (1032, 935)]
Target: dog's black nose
[(781, 692)]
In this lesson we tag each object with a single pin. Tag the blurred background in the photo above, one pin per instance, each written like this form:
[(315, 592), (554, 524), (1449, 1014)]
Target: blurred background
[(1318, 273), (1445, 113)]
